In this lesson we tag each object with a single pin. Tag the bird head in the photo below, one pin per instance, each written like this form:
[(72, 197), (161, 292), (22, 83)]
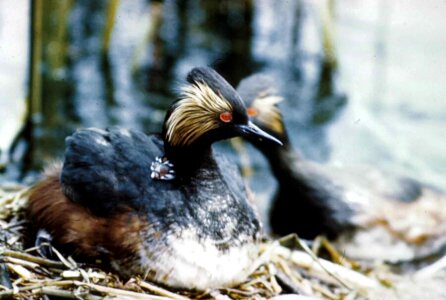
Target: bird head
[(261, 96), (208, 110)]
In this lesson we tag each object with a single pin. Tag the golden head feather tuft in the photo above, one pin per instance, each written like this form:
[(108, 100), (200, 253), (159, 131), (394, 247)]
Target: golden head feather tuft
[(268, 114), (196, 113)]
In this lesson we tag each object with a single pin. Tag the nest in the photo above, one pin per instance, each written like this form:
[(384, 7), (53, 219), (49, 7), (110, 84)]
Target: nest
[(24, 274)]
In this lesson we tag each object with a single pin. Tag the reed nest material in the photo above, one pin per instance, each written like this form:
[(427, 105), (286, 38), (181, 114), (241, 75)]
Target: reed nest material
[(26, 275)]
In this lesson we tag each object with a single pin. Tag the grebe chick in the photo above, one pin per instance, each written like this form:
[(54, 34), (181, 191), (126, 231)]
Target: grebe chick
[(196, 230), (370, 213)]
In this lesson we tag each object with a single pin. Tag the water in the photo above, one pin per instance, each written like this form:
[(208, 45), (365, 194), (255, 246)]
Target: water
[(13, 63), (152, 48), (393, 68)]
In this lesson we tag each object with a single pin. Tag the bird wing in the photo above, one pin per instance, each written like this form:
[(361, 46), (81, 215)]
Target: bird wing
[(106, 169)]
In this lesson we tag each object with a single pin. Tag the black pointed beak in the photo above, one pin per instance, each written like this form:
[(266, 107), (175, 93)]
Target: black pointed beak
[(252, 131)]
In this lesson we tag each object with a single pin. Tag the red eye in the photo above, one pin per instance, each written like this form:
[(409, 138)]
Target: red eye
[(226, 117), (252, 112)]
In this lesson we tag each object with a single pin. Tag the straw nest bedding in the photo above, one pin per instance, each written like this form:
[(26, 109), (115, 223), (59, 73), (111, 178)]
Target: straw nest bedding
[(24, 274)]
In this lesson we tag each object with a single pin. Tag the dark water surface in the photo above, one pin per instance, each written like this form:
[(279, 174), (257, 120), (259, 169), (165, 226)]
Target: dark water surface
[(153, 45)]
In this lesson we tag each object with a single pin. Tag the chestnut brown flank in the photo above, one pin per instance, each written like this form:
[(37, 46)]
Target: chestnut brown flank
[(71, 224)]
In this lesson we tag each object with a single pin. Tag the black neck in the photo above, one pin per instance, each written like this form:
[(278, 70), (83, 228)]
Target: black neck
[(187, 160), (306, 198), (282, 159)]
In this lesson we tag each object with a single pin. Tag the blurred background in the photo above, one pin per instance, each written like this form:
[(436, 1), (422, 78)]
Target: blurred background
[(363, 80)]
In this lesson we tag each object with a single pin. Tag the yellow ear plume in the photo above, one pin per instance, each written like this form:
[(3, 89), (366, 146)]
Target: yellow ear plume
[(268, 114), (196, 113)]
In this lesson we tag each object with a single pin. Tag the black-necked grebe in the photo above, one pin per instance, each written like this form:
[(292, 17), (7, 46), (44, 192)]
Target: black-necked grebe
[(371, 213), (162, 206)]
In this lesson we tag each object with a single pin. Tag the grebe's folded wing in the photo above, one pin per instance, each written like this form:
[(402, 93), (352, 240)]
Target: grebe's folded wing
[(106, 169)]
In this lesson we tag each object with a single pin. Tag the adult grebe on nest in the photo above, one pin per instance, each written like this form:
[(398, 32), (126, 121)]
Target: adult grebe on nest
[(162, 206)]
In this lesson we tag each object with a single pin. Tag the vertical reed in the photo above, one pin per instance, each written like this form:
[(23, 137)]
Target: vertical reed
[(112, 10), (155, 22), (35, 61)]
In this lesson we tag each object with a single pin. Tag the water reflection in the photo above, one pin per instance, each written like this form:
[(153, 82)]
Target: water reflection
[(152, 46)]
